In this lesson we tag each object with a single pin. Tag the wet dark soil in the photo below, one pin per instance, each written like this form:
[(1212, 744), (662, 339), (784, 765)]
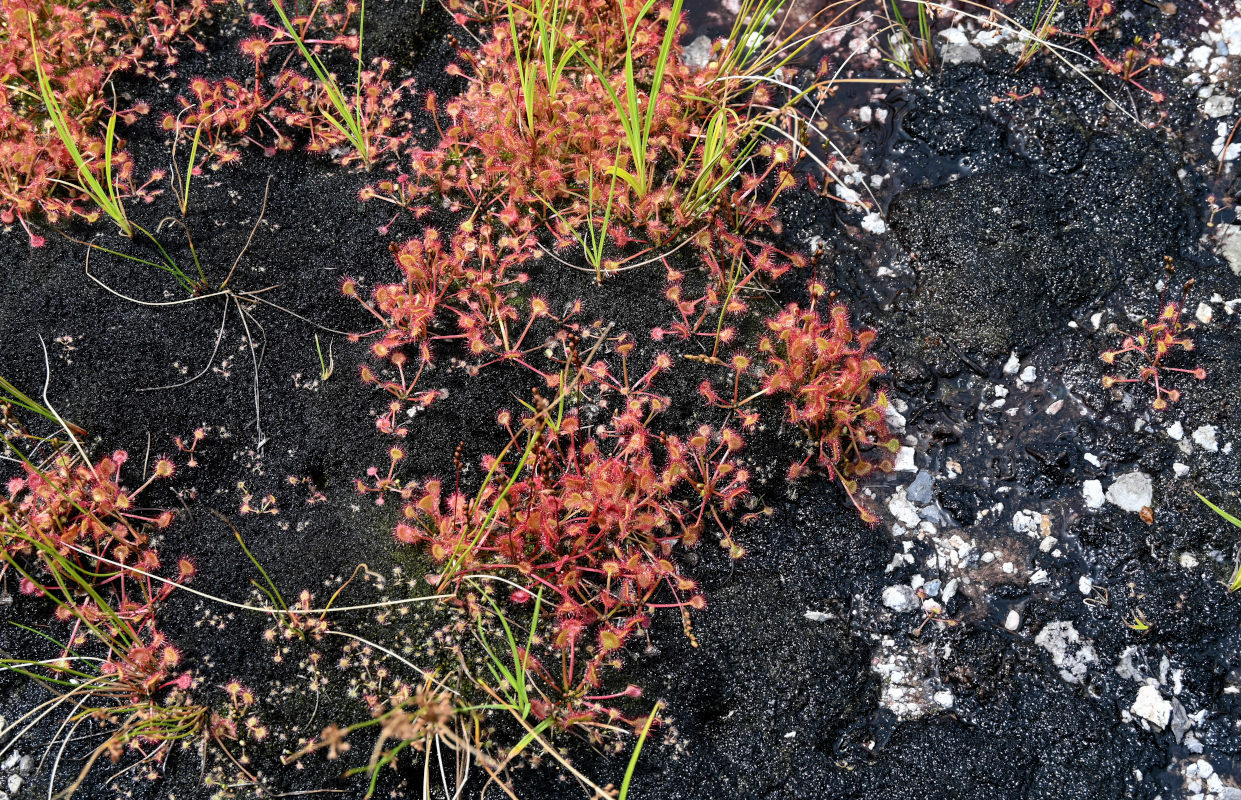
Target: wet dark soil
[(1017, 231)]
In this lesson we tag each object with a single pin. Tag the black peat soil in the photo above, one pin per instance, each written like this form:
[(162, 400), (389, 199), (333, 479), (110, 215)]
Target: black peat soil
[(1015, 231)]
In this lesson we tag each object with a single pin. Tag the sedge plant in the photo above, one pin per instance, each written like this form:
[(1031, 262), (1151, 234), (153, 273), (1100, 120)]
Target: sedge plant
[(1234, 583), (182, 184), (636, 121), (914, 48), (515, 674), (754, 53), (348, 119), (548, 18), (105, 194), (637, 751), (1036, 39), (594, 240), (12, 396)]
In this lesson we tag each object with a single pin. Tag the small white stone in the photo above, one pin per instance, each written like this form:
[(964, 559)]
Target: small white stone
[(1028, 375), (905, 460), (1204, 437), (1040, 577), (1008, 567), (1092, 492), (989, 37), (1085, 585), (1151, 707), (1230, 246), (697, 53), (944, 699), (1054, 408), (847, 195), (1200, 56), (901, 599), (1180, 469), (1205, 770), (1047, 543), (905, 512), (1069, 652), (1175, 431), (959, 54), (816, 616), (1096, 320), (1012, 364), (1204, 313), (953, 36), (873, 223), (1013, 621), (1132, 491), (988, 557), (1093, 459), (1188, 561), (1027, 522), (1217, 106)]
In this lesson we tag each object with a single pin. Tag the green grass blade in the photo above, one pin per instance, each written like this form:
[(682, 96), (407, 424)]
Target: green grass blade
[(189, 171), (660, 66), (11, 394), (107, 200), (275, 596), (1220, 511), (528, 738), (344, 121), (637, 750)]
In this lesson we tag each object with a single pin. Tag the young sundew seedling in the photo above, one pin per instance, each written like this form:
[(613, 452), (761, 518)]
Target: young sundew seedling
[(823, 372), (1149, 348)]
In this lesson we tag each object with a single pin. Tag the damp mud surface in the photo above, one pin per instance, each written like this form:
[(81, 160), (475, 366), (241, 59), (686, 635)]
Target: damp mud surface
[(981, 641)]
